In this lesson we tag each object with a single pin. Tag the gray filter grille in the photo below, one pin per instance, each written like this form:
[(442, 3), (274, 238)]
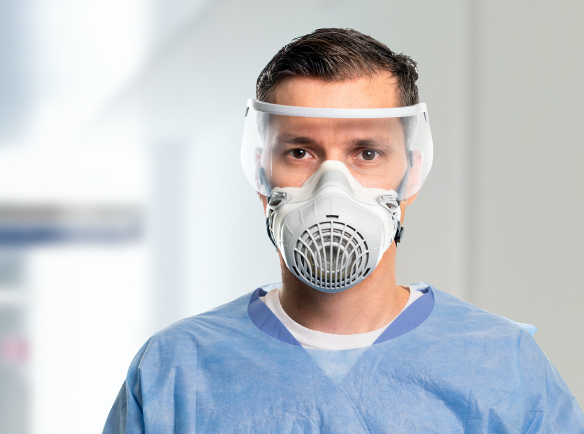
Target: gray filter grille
[(331, 262)]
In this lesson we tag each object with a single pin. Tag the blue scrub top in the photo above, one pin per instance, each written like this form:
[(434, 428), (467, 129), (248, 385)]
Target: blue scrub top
[(443, 366)]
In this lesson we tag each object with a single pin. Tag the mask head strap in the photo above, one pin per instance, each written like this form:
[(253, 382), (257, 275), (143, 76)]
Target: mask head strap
[(263, 181)]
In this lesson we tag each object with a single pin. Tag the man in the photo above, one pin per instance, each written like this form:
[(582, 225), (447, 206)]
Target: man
[(337, 145)]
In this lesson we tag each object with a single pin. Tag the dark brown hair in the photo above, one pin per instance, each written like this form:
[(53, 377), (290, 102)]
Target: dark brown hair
[(336, 55)]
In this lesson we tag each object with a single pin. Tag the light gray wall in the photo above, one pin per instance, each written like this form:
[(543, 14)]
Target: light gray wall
[(499, 220), (527, 198)]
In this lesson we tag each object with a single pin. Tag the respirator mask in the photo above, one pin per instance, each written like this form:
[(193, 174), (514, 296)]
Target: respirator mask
[(334, 179)]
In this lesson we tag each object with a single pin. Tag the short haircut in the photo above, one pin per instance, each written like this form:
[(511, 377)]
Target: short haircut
[(337, 55)]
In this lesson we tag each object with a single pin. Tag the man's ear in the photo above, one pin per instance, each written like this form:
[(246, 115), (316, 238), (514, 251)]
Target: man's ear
[(257, 158), (410, 200), (415, 181), (264, 200)]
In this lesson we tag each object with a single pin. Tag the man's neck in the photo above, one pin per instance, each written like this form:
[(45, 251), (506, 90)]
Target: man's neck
[(363, 308)]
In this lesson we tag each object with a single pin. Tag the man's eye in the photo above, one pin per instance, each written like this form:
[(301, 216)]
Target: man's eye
[(368, 154), (298, 153)]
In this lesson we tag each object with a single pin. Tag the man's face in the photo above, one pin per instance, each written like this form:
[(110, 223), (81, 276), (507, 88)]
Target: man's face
[(373, 150)]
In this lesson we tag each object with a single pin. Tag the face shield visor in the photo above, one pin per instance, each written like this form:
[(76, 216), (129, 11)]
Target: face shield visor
[(386, 148)]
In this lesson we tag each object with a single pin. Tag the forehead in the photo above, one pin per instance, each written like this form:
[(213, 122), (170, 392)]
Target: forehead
[(369, 91)]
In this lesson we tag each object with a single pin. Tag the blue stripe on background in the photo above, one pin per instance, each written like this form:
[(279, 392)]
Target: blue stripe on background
[(46, 234)]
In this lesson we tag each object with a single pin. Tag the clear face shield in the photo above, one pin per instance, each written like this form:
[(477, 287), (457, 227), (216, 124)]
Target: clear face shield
[(388, 148)]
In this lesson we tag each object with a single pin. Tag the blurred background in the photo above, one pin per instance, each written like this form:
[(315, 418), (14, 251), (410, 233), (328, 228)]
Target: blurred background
[(123, 207)]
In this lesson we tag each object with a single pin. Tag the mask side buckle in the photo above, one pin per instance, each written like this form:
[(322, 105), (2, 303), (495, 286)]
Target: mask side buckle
[(275, 201), (391, 203), (399, 233)]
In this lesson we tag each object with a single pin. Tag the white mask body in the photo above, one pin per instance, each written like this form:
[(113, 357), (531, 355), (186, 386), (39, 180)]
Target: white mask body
[(363, 223)]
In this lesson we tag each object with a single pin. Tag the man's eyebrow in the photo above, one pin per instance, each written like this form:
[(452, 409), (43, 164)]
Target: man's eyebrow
[(370, 143), (296, 140), (376, 142)]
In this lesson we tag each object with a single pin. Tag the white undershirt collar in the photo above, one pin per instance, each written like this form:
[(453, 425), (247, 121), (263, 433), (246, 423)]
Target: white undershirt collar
[(326, 341)]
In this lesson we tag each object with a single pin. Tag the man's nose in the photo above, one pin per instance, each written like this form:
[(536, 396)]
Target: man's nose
[(334, 154)]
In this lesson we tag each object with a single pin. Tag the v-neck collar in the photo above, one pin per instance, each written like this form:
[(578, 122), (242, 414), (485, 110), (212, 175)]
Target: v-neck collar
[(264, 319)]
